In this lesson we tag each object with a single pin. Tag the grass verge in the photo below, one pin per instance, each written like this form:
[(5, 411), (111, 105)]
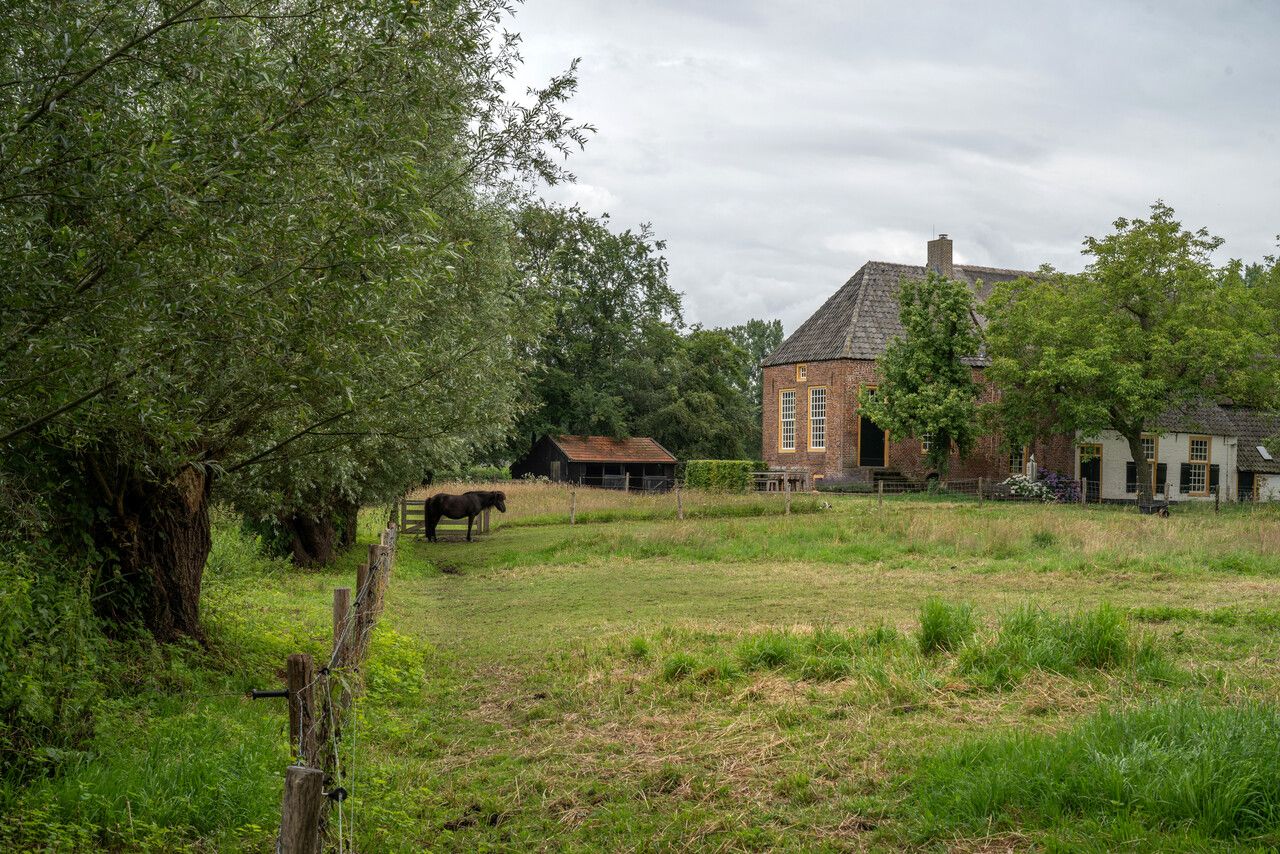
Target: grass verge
[(1183, 769)]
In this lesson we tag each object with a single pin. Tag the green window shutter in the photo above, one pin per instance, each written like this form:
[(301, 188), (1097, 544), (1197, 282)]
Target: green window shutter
[(1184, 478)]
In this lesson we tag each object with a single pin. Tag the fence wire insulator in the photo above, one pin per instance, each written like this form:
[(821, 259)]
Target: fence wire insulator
[(339, 794)]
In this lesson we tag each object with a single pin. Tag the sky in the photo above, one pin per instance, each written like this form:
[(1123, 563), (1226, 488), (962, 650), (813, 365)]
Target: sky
[(778, 146)]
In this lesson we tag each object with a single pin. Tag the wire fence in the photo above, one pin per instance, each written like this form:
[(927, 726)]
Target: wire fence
[(318, 808)]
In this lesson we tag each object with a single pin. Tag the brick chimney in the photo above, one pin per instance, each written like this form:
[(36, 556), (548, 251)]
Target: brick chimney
[(940, 256)]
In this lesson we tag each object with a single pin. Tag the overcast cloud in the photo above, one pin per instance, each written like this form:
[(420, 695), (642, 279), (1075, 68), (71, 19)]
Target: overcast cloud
[(777, 146)]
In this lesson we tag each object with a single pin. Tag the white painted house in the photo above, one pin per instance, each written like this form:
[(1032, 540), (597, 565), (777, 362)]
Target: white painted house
[(1195, 453)]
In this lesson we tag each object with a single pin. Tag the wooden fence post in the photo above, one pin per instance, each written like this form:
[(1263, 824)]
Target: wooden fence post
[(486, 521), (573, 505), (880, 494), (355, 650), (679, 503), (300, 812), (1216, 493), (341, 623), (1084, 492), (979, 490), (786, 491), (626, 482), (301, 674)]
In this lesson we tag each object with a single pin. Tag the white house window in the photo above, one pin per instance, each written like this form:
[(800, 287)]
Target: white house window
[(926, 443), (802, 373), (817, 418), (1198, 471), (787, 422)]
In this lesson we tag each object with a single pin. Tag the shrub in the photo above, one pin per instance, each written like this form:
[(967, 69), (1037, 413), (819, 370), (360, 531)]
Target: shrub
[(1024, 487), (1064, 489), (49, 647), (944, 626), (720, 475), (1171, 767)]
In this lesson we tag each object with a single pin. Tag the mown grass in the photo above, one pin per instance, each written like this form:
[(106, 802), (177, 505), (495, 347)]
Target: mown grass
[(727, 683)]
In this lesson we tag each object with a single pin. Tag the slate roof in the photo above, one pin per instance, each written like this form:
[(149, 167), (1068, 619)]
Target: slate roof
[(1251, 427), (603, 449), (859, 320), (1254, 428), (1208, 418)]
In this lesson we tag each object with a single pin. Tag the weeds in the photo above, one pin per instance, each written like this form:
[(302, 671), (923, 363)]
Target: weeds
[(1031, 638), (943, 626), (1177, 767)]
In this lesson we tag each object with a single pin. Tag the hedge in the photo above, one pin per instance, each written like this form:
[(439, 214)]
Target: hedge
[(720, 475)]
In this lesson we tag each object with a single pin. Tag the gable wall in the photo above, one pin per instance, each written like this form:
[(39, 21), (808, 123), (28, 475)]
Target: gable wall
[(1173, 449), (843, 379)]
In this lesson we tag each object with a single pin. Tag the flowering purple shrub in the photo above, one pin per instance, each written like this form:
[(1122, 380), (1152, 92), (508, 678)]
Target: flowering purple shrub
[(1064, 489)]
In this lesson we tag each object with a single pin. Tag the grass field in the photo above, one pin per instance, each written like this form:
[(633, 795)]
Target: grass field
[(926, 676)]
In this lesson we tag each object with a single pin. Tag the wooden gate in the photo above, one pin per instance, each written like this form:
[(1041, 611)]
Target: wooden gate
[(413, 519)]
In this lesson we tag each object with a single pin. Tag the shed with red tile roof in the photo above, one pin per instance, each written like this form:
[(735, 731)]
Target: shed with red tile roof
[(638, 462)]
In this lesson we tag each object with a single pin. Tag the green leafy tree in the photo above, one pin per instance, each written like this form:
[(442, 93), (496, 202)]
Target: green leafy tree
[(757, 338), (698, 403), (607, 308), (1149, 324), (226, 248), (615, 358), (926, 389)]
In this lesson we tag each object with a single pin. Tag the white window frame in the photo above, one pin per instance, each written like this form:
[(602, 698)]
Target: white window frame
[(786, 424), (1199, 465), (818, 418)]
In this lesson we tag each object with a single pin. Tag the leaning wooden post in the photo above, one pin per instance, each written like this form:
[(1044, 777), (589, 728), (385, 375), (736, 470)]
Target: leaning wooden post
[(679, 503), (300, 812), (301, 674), (341, 624), (573, 505), (880, 494), (786, 492)]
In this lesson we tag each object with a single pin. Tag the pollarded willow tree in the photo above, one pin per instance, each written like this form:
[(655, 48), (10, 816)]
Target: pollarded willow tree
[(222, 248), (927, 389), (1150, 324)]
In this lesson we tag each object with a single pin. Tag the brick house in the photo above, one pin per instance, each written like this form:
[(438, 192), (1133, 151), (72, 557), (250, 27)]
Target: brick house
[(812, 382)]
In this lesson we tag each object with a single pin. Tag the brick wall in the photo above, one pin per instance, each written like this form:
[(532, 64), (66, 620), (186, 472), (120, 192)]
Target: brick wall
[(843, 379)]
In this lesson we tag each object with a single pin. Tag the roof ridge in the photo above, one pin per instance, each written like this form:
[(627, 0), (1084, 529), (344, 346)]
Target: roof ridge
[(847, 349)]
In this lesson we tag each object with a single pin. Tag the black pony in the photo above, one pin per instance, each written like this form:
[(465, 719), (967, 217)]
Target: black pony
[(469, 504)]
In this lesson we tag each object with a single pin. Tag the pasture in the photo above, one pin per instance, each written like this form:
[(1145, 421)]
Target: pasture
[(928, 675)]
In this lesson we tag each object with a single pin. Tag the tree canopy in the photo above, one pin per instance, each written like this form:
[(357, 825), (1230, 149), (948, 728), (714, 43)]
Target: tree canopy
[(1149, 324), (615, 357), (263, 240), (926, 390)]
